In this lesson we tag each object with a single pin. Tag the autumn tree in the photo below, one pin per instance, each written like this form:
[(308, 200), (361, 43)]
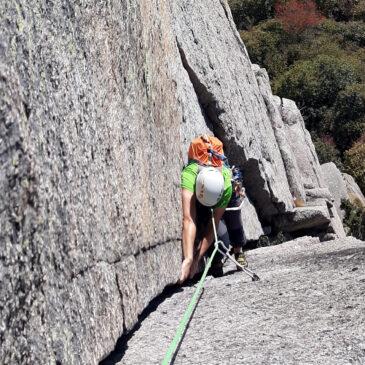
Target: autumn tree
[(297, 15)]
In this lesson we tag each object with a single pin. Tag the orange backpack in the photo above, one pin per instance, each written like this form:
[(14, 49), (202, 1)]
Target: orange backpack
[(207, 150)]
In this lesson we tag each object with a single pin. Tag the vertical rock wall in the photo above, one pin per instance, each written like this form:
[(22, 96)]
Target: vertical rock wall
[(287, 154), (302, 145), (98, 103), (318, 212), (342, 186), (90, 220), (262, 133), (225, 84), (354, 192), (336, 185)]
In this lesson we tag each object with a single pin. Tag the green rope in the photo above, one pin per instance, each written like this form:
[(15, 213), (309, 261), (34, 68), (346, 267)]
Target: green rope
[(186, 318)]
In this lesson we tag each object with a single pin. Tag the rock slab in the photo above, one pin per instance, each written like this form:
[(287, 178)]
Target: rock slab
[(308, 308)]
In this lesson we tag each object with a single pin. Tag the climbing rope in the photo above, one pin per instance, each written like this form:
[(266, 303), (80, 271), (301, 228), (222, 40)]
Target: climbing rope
[(186, 318), (194, 300), (192, 304)]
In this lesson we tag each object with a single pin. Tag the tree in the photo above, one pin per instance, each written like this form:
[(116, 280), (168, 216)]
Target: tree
[(346, 132), (327, 152), (247, 13), (350, 102), (340, 10), (297, 15), (354, 32), (355, 163), (314, 85), (354, 219), (359, 11), (349, 116), (263, 46)]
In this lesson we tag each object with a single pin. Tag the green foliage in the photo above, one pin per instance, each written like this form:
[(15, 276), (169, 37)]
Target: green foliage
[(263, 241), (354, 161), (348, 33), (340, 10), (349, 116), (327, 152), (354, 32), (264, 47), (273, 240), (316, 82), (247, 13), (350, 102), (318, 42), (279, 238), (321, 68), (346, 133), (270, 46), (359, 11), (314, 85), (354, 219)]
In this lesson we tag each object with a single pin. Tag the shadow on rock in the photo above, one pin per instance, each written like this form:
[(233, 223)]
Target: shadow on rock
[(122, 344)]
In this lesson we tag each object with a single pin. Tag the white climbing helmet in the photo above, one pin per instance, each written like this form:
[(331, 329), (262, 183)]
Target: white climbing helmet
[(209, 186)]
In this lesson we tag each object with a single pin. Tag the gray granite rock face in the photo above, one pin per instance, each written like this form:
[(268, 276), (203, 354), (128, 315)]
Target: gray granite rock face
[(307, 161), (303, 218), (250, 221), (302, 145), (318, 193), (354, 193), (90, 224), (289, 158), (227, 90), (98, 103), (193, 122), (308, 308), (341, 186), (301, 166), (336, 184), (336, 227)]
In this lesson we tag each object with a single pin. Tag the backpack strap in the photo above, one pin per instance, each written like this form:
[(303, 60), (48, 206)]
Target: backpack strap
[(218, 155), (211, 151)]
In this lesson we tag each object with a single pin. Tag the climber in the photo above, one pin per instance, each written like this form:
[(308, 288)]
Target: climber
[(206, 182), (230, 229)]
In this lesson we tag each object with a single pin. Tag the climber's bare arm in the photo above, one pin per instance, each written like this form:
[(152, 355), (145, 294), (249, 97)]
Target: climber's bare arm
[(188, 232)]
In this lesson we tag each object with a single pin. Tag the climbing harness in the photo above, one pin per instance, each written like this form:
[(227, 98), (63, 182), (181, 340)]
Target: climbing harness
[(236, 208), (226, 252), (171, 351)]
